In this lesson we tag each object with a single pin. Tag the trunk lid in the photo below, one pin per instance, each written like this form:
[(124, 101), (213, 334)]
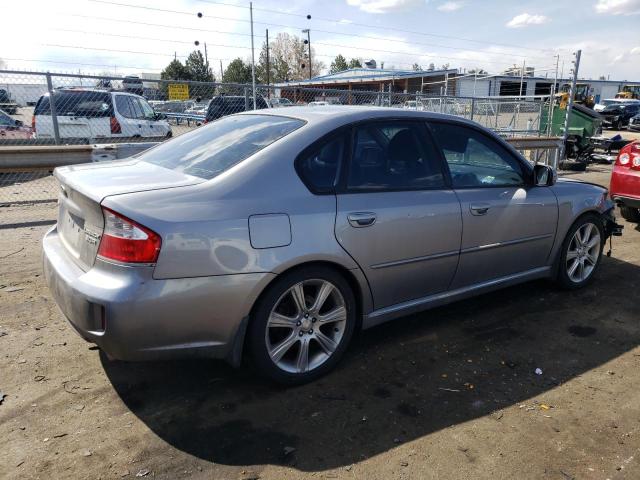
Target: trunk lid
[(84, 187)]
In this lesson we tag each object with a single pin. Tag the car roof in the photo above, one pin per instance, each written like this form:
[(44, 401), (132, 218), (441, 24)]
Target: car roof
[(344, 114)]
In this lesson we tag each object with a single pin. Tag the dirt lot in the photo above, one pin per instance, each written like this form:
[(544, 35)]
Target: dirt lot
[(451, 393)]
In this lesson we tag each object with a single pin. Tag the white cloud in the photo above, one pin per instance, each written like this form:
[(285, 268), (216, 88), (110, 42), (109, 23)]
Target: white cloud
[(385, 6), (618, 7), (450, 6), (525, 19)]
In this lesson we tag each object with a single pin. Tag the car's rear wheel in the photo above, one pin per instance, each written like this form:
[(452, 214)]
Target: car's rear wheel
[(581, 252), (630, 214), (302, 325)]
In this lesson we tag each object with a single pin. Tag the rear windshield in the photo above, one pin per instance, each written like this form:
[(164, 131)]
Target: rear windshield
[(208, 151), (78, 104)]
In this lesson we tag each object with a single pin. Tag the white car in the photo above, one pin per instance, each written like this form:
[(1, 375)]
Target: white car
[(95, 114), (413, 105), (318, 103), (276, 102), (598, 107)]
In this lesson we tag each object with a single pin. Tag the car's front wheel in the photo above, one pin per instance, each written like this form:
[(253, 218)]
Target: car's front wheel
[(581, 252), (302, 325)]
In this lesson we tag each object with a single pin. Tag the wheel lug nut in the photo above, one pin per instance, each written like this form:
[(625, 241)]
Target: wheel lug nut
[(298, 323), (313, 320), (306, 315), (310, 331), (301, 333)]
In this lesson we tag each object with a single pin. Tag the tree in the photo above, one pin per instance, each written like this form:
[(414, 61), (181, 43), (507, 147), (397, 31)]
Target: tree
[(338, 65), (290, 54), (444, 66), (417, 68), (478, 71), (175, 71), (197, 67), (199, 71), (355, 63), (237, 72), (431, 68)]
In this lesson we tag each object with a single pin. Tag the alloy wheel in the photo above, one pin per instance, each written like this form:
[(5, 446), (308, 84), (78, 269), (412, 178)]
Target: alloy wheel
[(306, 326), (583, 253)]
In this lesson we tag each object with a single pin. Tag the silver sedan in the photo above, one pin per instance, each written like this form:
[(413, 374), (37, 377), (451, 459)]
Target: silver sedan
[(278, 234)]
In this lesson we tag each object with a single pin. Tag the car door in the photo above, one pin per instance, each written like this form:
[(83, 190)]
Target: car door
[(395, 215), (508, 224)]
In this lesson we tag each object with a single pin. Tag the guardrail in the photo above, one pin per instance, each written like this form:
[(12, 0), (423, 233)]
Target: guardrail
[(28, 191)]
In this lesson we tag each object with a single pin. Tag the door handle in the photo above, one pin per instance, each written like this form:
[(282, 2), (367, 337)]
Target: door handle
[(479, 209), (361, 219)]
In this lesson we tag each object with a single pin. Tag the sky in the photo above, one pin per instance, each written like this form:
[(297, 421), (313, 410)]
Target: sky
[(137, 36)]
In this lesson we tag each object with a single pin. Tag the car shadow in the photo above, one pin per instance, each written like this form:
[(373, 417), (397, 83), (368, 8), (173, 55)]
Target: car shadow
[(398, 382)]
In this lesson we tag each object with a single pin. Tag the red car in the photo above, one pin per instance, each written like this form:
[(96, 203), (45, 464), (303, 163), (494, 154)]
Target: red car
[(625, 182)]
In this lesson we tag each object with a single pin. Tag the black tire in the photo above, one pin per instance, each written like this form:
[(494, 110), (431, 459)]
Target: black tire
[(630, 214), (257, 343), (562, 276)]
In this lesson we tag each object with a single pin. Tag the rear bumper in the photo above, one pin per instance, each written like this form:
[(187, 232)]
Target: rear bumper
[(631, 202), (132, 316)]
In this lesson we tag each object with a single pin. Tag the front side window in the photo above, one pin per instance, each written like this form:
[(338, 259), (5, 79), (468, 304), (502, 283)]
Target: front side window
[(147, 111), (319, 168), (393, 155), (208, 151), (476, 160)]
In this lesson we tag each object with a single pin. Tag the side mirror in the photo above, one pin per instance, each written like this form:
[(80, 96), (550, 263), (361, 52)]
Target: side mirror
[(18, 123), (544, 175), (161, 116)]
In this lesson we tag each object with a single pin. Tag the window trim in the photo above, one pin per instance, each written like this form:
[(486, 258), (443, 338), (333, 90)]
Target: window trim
[(419, 122), (527, 169), (315, 146)]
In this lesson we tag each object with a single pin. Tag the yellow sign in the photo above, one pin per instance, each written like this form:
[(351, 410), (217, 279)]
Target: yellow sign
[(178, 91)]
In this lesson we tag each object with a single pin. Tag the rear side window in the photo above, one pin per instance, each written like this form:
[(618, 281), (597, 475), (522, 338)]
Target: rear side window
[(208, 151), (393, 156), (77, 104), (319, 167), (122, 104)]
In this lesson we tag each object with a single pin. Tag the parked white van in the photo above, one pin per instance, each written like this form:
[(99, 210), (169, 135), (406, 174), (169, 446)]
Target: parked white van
[(94, 114)]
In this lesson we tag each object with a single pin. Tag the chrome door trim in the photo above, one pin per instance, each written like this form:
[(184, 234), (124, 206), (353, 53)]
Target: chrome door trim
[(505, 244), (405, 261)]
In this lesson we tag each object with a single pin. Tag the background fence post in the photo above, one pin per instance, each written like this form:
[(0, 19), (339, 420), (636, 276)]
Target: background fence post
[(246, 99), (473, 107), (54, 114)]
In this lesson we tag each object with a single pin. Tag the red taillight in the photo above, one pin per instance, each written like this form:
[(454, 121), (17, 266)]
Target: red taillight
[(124, 240), (33, 123), (629, 156), (115, 125)]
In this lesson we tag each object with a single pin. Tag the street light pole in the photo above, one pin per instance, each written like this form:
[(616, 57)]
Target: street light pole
[(308, 32), (253, 60)]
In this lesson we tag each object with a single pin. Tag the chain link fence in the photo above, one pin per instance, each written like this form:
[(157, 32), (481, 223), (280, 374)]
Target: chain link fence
[(39, 109), (97, 109)]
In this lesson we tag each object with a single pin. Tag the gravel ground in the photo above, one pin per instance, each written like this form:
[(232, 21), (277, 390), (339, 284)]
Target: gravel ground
[(450, 393)]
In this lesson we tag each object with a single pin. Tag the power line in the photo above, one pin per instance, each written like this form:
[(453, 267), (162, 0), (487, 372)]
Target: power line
[(349, 22), (61, 62), (182, 12), (315, 43)]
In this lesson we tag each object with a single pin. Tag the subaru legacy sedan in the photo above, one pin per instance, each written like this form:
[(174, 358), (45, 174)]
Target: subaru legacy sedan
[(277, 234)]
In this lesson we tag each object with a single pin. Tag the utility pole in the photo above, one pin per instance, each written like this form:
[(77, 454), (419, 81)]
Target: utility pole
[(308, 32), (206, 56), (221, 72), (253, 59), (572, 91), (552, 95), (268, 66)]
